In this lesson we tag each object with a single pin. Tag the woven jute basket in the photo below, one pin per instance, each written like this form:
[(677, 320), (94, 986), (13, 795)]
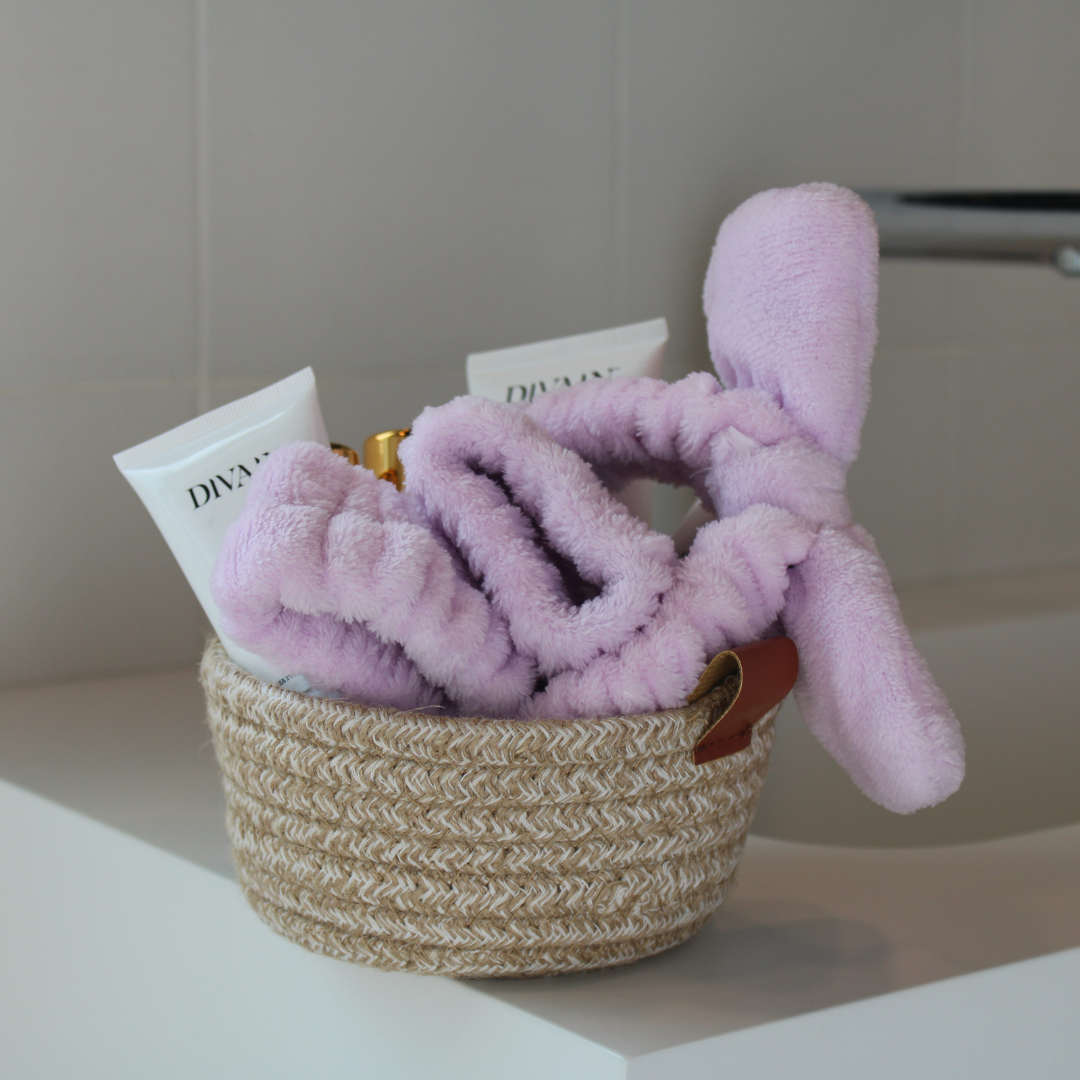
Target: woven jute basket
[(477, 847)]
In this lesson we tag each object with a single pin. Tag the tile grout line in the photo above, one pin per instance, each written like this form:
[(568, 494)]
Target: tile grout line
[(202, 223), (951, 479), (964, 81), (97, 386), (1046, 348), (619, 168)]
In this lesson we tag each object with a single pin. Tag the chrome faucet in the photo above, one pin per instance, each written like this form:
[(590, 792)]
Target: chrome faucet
[(1016, 226)]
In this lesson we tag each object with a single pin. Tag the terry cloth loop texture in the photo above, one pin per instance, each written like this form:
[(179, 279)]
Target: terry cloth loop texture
[(476, 847)]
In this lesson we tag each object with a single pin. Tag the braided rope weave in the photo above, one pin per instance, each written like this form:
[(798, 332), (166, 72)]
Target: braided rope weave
[(475, 847)]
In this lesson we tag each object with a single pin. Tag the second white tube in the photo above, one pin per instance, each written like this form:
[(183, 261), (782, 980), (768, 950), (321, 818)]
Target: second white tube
[(519, 374)]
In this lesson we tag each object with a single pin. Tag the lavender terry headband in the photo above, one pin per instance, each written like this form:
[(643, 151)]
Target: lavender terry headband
[(507, 580)]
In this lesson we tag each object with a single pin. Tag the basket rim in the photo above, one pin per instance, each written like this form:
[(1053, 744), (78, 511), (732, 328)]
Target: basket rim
[(430, 738)]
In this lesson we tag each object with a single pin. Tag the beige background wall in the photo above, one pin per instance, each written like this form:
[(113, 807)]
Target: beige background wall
[(198, 197)]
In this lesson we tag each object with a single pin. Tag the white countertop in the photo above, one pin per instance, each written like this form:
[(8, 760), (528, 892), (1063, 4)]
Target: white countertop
[(122, 960)]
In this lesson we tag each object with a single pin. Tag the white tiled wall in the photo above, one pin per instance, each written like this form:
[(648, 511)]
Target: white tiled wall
[(200, 196)]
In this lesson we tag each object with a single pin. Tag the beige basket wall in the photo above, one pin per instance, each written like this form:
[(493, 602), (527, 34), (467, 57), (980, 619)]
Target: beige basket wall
[(476, 847)]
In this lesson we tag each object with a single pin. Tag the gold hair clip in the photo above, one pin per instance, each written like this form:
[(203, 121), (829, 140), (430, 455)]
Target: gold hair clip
[(347, 452), (381, 457)]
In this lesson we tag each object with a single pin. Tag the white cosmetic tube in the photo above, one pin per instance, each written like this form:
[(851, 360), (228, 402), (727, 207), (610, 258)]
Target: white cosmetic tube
[(520, 374), (194, 480)]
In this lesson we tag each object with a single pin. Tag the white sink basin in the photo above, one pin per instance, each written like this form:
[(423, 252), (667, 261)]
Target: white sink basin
[(1007, 655), (826, 960)]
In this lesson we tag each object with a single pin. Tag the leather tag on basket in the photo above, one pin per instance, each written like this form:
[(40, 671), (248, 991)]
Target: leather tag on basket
[(765, 672)]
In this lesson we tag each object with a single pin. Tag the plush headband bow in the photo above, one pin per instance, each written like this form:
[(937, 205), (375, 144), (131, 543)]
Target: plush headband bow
[(507, 580)]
